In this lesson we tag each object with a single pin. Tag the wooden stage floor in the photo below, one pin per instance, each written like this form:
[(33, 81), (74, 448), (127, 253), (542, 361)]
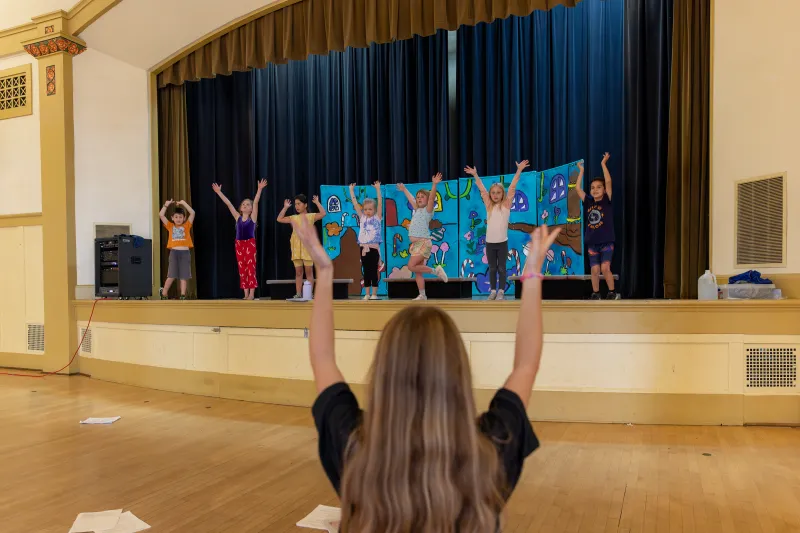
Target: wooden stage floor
[(191, 464)]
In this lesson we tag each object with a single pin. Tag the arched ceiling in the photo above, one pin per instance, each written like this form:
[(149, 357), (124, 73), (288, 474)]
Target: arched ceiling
[(145, 32)]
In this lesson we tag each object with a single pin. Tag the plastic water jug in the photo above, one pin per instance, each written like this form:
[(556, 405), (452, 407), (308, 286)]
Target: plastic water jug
[(307, 292), (707, 286)]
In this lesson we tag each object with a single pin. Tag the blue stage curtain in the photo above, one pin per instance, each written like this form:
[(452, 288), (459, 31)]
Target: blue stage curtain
[(361, 115), (219, 115), (642, 225), (573, 83)]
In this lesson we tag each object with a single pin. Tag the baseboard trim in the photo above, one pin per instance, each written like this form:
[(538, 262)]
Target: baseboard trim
[(21, 361), (552, 406)]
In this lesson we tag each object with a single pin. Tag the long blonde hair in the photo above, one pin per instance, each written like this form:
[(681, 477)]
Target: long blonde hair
[(490, 204), (418, 462)]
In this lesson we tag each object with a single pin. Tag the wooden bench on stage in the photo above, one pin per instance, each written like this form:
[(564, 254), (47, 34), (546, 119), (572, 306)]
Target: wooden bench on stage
[(565, 287), (283, 289), (455, 288)]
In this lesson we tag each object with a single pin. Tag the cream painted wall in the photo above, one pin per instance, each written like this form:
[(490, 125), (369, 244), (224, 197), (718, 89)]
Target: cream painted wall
[(16, 12), (21, 284), (20, 162), (756, 113), (112, 151)]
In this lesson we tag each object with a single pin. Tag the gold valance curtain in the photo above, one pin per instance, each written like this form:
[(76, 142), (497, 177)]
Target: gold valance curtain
[(318, 26)]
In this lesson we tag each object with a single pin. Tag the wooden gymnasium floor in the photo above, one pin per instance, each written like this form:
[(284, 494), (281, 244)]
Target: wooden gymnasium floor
[(201, 465)]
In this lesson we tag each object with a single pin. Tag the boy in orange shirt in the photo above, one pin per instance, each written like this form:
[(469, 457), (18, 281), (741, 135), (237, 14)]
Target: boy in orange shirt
[(179, 245)]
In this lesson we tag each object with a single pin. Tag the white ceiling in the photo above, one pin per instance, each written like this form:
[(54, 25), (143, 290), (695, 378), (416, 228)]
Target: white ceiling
[(145, 32)]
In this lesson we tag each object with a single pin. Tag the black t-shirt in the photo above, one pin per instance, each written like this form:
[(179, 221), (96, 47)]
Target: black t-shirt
[(599, 220), (337, 414)]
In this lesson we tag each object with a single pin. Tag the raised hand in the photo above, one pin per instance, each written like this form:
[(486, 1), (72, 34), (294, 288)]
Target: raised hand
[(580, 166), (315, 199), (182, 202), (169, 203), (352, 187), (377, 184), (307, 234), (287, 204), (262, 184), (522, 165), (606, 157), (437, 178), (401, 187), (472, 171), (541, 241), (217, 187)]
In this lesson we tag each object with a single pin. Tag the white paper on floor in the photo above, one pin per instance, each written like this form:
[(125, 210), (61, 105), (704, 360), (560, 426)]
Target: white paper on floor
[(324, 518), (90, 522), (128, 523), (109, 420)]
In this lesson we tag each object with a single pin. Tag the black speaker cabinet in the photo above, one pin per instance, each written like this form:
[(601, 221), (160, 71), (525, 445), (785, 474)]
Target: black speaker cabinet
[(123, 267)]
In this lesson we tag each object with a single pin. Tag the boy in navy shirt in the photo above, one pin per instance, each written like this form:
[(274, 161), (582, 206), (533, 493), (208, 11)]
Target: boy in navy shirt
[(599, 234)]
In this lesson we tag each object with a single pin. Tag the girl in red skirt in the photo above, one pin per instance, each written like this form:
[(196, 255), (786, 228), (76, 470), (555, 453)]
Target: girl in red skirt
[(246, 218)]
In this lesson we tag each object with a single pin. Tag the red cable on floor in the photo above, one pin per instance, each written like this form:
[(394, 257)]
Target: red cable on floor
[(43, 374)]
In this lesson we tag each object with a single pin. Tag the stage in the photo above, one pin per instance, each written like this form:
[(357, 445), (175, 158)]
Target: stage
[(663, 362)]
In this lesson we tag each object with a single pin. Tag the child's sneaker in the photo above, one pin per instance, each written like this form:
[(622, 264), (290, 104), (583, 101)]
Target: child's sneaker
[(492, 295), (161, 293), (183, 296), (297, 296), (501, 295), (374, 297), (612, 295), (421, 297), (439, 271), (595, 296), (366, 297)]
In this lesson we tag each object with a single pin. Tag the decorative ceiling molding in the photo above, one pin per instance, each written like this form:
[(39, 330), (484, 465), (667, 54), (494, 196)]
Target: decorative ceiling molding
[(58, 42), (43, 27)]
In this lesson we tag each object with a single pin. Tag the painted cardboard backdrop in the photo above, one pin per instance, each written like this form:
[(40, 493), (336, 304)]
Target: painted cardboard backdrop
[(458, 228)]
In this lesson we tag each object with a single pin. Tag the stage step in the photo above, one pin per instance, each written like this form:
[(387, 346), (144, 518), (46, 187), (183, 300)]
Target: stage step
[(455, 288), (284, 289), (565, 287)]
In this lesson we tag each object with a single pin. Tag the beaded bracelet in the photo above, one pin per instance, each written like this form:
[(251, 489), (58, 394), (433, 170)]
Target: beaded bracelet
[(530, 275)]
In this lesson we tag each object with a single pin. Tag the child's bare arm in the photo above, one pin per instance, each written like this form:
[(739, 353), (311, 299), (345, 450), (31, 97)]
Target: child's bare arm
[(409, 196), (189, 209), (282, 218), (606, 173), (472, 171), (256, 200), (528, 344), (377, 186), (353, 200), (432, 196), (322, 212), (512, 189), (163, 213), (579, 183), (320, 332), (218, 189)]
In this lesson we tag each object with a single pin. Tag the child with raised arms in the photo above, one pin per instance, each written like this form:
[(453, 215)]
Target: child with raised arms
[(498, 210), (599, 236), (179, 244), (370, 237), (246, 219), (301, 258), (419, 234)]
